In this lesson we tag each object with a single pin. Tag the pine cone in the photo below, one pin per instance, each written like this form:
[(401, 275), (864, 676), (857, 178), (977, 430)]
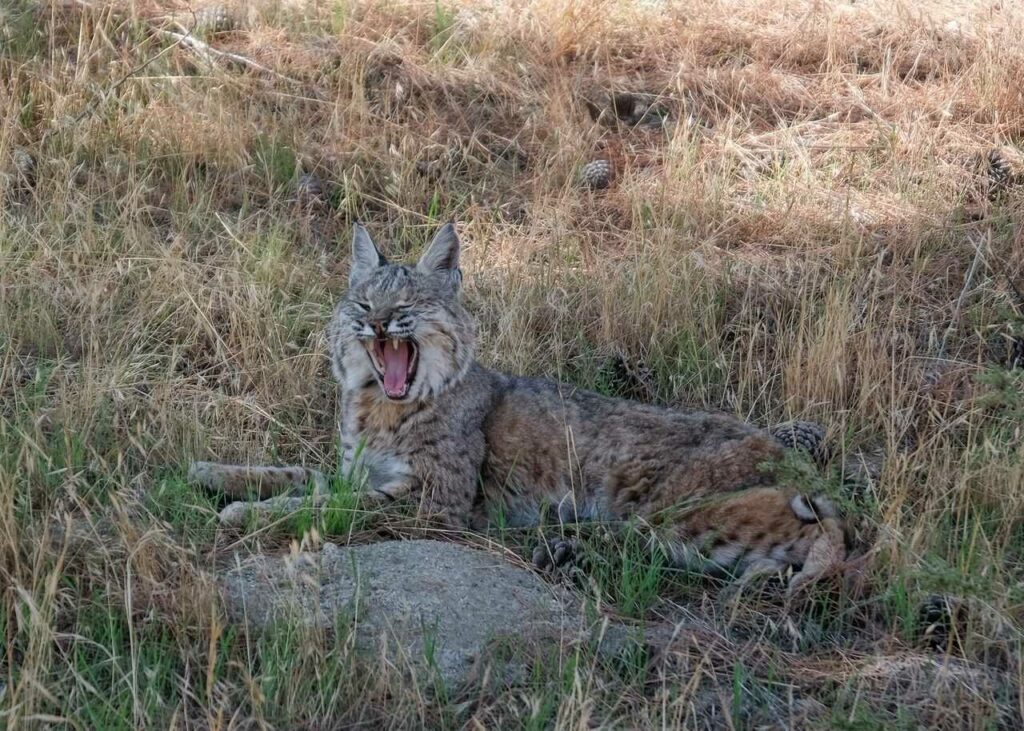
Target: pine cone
[(940, 621), (629, 109), (1005, 169), (860, 471), (387, 83), (632, 378), (24, 163), (1016, 359), (804, 435), (214, 19), (309, 190), (624, 106), (597, 174)]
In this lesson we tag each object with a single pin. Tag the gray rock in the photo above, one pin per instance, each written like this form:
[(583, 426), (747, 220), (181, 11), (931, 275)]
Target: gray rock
[(434, 604)]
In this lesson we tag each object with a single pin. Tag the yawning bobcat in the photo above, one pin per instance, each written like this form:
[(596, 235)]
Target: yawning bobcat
[(420, 417)]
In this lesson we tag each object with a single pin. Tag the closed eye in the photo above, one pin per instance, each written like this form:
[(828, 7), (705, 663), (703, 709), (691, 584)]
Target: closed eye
[(362, 306)]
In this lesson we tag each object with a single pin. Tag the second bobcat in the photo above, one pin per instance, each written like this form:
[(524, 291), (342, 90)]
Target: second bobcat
[(421, 418)]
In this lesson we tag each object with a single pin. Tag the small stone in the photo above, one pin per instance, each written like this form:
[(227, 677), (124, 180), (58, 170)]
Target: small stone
[(597, 174)]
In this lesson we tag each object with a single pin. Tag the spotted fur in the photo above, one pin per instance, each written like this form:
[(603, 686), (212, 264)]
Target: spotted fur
[(466, 440)]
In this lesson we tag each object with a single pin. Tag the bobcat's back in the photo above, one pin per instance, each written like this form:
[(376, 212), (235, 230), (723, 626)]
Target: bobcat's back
[(612, 458)]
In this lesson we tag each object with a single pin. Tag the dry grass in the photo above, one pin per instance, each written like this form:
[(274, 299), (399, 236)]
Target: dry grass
[(792, 243)]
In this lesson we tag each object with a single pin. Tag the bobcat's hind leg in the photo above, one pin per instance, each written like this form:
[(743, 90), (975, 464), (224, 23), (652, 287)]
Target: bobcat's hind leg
[(825, 555), (562, 550), (763, 567), (760, 531)]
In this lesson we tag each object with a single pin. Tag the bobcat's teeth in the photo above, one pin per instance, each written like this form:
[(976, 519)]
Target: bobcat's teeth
[(394, 343)]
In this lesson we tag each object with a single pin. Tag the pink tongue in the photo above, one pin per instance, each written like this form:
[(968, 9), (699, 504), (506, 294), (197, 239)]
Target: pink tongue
[(396, 368)]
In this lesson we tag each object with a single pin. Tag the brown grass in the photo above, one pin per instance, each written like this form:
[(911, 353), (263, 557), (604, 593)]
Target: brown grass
[(791, 244)]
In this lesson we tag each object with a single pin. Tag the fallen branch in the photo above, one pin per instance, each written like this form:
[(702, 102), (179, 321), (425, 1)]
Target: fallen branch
[(101, 96), (211, 54), (185, 38)]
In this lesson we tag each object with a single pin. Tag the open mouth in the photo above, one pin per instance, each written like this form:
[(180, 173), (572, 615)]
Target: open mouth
[(395, 363)]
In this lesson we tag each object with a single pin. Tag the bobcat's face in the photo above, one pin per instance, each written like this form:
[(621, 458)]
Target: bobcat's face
[(400, 326)]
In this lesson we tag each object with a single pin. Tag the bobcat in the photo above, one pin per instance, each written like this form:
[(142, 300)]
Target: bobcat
[(421, 417)]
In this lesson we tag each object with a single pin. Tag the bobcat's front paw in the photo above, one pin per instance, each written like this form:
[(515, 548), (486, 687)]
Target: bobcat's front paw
[(260, 513), (382, 479), (553, 553)]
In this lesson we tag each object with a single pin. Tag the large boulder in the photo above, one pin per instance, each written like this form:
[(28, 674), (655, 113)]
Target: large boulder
[(438, 604)]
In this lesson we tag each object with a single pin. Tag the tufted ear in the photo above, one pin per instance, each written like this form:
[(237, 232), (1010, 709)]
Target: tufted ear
[(365, 255), (443, 253)]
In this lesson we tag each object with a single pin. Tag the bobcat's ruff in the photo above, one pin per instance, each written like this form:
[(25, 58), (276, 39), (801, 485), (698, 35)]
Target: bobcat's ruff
[(421, 417)]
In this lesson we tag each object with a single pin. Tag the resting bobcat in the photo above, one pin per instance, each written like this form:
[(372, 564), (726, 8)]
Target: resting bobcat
[(423, 418)]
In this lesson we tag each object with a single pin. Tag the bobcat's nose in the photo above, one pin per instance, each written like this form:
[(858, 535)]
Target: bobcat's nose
[(380, 327)]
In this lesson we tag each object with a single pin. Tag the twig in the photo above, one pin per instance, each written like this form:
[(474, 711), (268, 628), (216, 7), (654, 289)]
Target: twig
[(979, 253), (184, 38), (1015, 291)]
